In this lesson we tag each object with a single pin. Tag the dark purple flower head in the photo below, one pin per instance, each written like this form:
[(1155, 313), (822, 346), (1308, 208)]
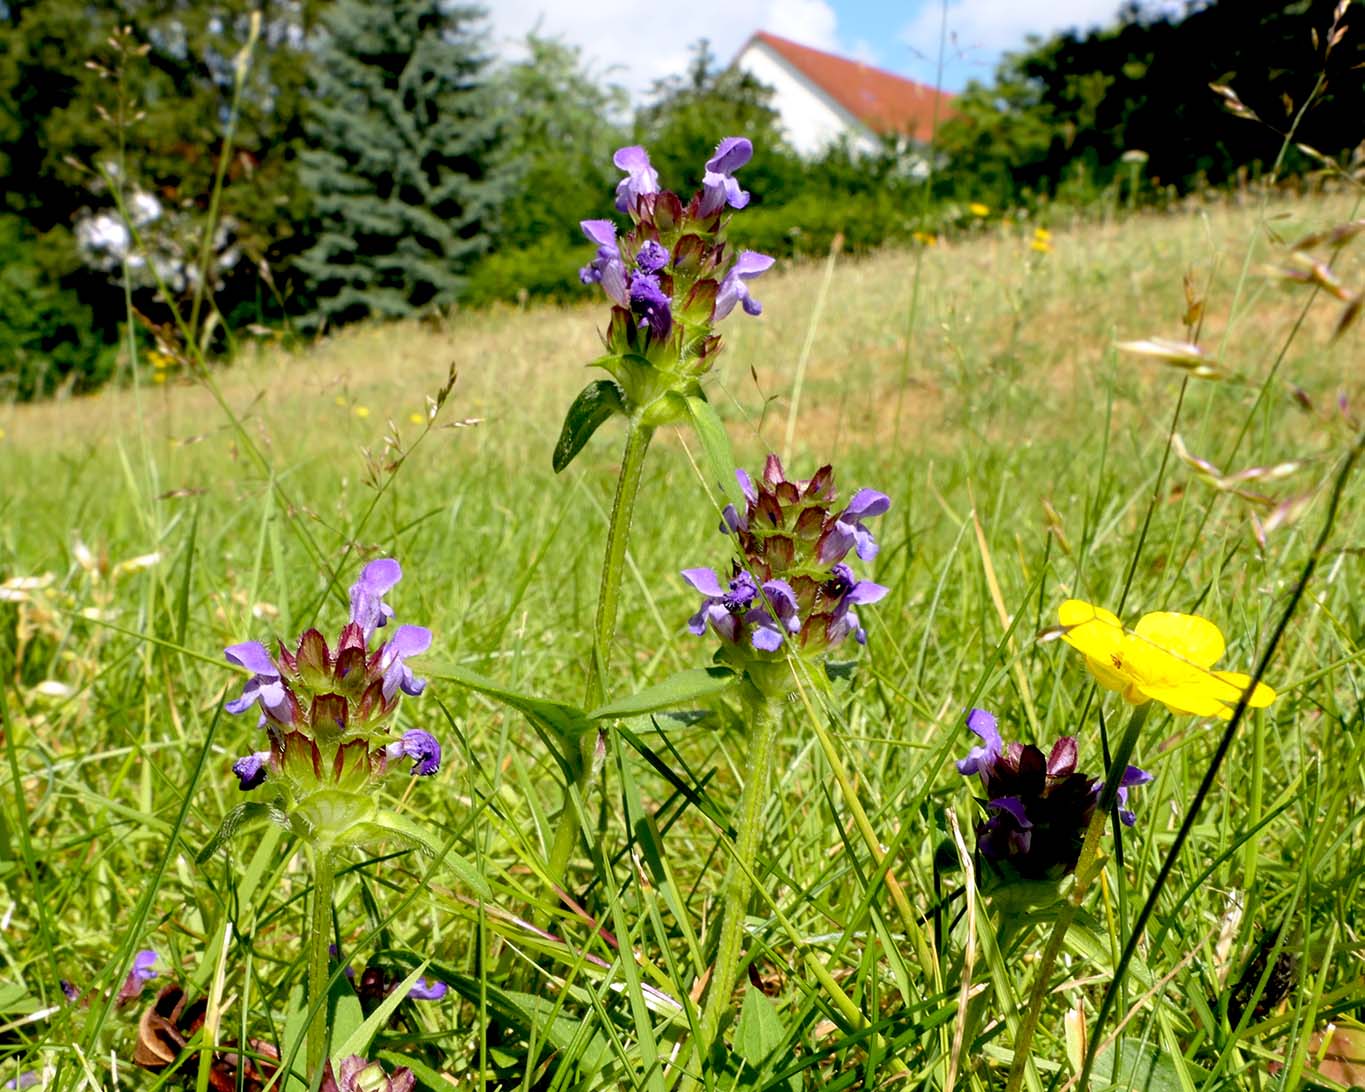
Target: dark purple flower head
[(641, 178), (251, 769), (652, 257), (406, 641), (422, 747), (1037, 807), (735, 287), (264, 686), (719, 187), (368, 609), (651, 305), (139, 975), (422, 990)]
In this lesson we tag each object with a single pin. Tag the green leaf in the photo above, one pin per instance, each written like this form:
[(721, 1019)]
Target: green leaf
[(242, 817), (597, 401), (715, 444), (1135, 1068), (344, 1014), (675, 692), (418, 835), (759, 1031), (560, 719), (358, 1042)]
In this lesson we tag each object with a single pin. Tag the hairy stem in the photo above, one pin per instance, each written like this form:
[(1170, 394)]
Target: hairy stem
[(603, 637), (319, 977), (738, 880)]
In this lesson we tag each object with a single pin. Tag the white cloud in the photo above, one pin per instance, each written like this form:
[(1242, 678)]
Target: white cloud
[(810, 22), (989, 27), (634, 47)]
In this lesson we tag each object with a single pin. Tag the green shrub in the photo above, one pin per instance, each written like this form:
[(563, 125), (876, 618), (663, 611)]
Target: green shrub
[(544, 270), (49, 339)]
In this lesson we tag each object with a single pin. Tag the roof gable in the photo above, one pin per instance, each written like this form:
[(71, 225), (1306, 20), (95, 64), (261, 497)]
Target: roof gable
[(884, 102)]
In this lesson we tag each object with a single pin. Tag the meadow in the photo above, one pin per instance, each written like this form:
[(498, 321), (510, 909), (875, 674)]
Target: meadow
[(1028, 460)]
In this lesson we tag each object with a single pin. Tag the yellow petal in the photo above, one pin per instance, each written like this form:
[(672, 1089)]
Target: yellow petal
[(1260, 697), (1090, 629), (1188, 637)]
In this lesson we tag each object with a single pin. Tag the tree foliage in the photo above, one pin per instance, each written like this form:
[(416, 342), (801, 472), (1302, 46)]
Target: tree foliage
[(402, 131)]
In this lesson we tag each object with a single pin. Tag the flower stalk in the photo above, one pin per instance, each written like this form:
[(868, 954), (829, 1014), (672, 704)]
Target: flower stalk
[(319, 976), (762, 719)]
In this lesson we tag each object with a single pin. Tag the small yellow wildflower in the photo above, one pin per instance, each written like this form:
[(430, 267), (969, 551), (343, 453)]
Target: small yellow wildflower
[(1167, 657), (361, 411), (1042, 241), (925, 238), (417, 418), (976, 208), (2, 434)]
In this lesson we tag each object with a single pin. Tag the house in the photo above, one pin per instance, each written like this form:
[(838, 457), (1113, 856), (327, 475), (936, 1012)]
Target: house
[(822, 97)]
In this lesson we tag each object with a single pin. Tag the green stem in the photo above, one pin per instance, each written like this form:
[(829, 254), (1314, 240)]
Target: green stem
[(1087, 868), (319, 977), (738, 880), (603, 637)]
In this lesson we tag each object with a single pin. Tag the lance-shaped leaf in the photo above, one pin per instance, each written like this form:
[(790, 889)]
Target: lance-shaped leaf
[(417, 835), (597, 401), (675, 692), (715, 444)]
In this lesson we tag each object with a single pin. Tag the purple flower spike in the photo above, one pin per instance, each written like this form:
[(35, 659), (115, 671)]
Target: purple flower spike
[(264, 686), (251, 769), (650, 305), (422, 990), (640, 178), (735, 289), (422, 747), (652, 257), (406, 641), (368, 609), (719, 187), (140, 974)]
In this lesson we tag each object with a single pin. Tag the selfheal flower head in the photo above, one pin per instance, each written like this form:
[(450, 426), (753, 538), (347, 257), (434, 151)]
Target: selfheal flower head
[(789, 589), (329, 716), (1037, 808), (1167, 657)]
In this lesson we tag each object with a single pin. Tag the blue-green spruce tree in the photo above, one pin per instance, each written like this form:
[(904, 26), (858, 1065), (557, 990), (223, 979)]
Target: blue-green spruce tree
[(402, 134)]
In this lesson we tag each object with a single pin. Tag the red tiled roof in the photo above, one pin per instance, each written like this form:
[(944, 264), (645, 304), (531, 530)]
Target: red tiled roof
[(884, 102)]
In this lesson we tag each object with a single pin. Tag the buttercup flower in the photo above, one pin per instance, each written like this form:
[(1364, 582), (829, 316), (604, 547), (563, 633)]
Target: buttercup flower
[(1167, 657), (1037, 807)]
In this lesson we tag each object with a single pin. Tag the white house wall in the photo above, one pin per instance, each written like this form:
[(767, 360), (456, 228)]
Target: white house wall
[(811, 121)]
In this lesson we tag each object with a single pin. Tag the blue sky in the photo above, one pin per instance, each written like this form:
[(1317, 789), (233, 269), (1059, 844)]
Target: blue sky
[(899, 35)]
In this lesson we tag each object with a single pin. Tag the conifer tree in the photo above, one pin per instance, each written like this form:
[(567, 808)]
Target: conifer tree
[(402, 132)]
